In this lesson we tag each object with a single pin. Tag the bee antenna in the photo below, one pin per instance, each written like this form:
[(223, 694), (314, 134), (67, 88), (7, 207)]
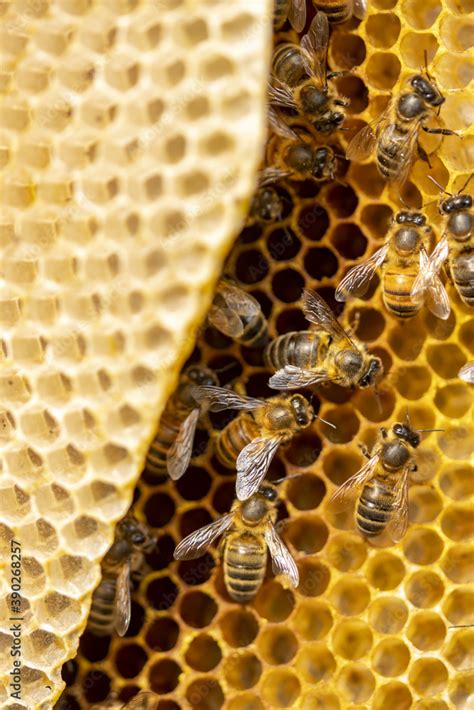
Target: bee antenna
[(326, 422), (286, 478), (408, 418), (425, 56), (420, 431), (435, 182), (466, 183)]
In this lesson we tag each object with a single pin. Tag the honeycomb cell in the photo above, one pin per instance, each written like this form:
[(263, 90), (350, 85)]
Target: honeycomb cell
[(280, 688), (383, 70), (315, 663), (459, 649), (307, 534), (306, 492), (349, 240), (390, 657), (205, 694), (385, 571), (162, 634), (352, 639), (346, 552), (458, 565), (454, 401), (162, 593), (393, 694), (277, 646), (412, 382), (425, 504), (426, 630), (350, 596), (274, 602), (242, 671), (422, 546), (239, 628), (388, 615), (428, 676), (456, 481), (348, 50), (424, 589), (164, 676), (313, 620), (456, 522), (314, 578), (130, 660)]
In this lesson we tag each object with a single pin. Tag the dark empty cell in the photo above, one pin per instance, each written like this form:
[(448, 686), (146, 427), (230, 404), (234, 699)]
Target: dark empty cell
[(203, 653), (348, 50), (69, 672), (375, 405), (307, 188), (251, 266), (168, 705), (128, 692), (159, 509), (370, 323), (346, 423), (94, 648), (276, 470), (152, 479), (201, 440), (340, 464), (282, 245), (162, 593), (192, 520), (305, 492), (291, 320), (205, 694), (320, 263), (226, 367), (96, 686), (368, 179), (303, 450), (355, 90), (224, 497), (265, 303), (194, 484), (162, 634), (288, 285), (411, 196), (250, 234), (349, 241), (137, 618), (195, 572), (313, 222), (335, 393), (377, 218), (216, 339), (162, 553), (193, 359), (198, 609), (252, 356), (257, 386), (67, 702), (220, 468), (239, 627), (219, 420), (342, 199), (164, 676), (407, 338), (130, 659)]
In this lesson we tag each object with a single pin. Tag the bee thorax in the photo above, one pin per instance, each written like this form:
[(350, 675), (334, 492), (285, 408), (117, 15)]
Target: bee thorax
[(253, 510), (313, 100), (460, 224), (395, 455), (410, 105), (406, 240)]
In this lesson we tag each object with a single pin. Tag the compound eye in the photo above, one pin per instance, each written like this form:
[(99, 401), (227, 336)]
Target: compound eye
[(397, 429), (138, 538)]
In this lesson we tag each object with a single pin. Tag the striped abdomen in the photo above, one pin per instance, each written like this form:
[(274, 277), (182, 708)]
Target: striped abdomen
[(462, 271), (337, 11), (168, 429), (396, 287), (236, 435), (255, 333), (101, 618), (288, 65), (301, 349), (245, 559), (390, 158), (374, 507), (280, 13)]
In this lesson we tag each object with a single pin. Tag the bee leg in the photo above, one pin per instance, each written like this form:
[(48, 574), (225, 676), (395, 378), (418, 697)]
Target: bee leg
[(413, 468), (384, 432), (364, 449), (441, 131), (336, 74), (423, 155)]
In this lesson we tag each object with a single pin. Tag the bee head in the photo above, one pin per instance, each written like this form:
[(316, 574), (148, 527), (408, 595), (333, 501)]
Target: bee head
[(201, 375), (302, 410), (416, 218), (268, 491), (133, 532), (333, 120), (426, 89), (406, 433), (455, 203), (373, 373)]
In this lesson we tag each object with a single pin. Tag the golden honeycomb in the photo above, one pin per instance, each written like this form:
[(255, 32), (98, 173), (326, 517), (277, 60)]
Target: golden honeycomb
[(370, 626), (123, 126)]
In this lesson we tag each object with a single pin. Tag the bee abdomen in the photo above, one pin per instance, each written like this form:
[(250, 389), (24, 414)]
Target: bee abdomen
[(397, 293), (374, 509), (288, 65), (300, 349), (233, 439), (280, 13), (463, 277), (161, 444), (255, 333), (101, 618), (245, 561), (337, 12)]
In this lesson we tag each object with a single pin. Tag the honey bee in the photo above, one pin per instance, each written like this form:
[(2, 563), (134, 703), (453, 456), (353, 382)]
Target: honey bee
[(382, 484), (145, 700), (292, 10), (402, 258), (466, 372), (456, 247), (325, 354), (171, 449), (394, 135), (300, 80), (302, 159), (249, 531), (339, 11), (238, 315), (267, 206), (251, 440), (111, 602)]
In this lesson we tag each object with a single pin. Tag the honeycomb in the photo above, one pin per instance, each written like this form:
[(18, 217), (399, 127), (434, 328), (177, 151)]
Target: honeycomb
[(123, 125), (370, 626)]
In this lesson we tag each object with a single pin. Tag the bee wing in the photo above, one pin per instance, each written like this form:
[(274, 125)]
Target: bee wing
[(428, 266), (144, 700), (268, 176), (196, 544), (227, 322), (406, 154), (345, 494), (357, 280), (282, 560), (466, 372), (297, 14), (398, 523), (314, 47), (252, 464), (363, 143), (359, 8), (239, 301), (291, 377), (179, 455), (317, 311), (279, 126), (436, 297), (219, 398), (123, 602), (281, 94)]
